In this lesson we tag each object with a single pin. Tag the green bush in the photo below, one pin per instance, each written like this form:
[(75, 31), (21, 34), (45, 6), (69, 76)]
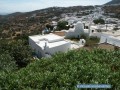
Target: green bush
[(65, 70), (99, 21), (62, 25), (7, 63), (18, 50)]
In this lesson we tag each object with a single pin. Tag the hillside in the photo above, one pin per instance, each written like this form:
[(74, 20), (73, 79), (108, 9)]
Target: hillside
[(32, 23), (65, 70), (115, 9), (21, 70), (51, 9), (113, 2), (112, 7)]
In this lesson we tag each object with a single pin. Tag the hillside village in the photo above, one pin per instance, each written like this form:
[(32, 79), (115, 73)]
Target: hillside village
[(75, 33), (60, 29), (76, 25), (31, 23), (60, 48)]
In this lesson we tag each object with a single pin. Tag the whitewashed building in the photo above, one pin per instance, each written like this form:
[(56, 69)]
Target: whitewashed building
[(54, 23), (76, 31), (48, 44), (112, 38), (97, 30)]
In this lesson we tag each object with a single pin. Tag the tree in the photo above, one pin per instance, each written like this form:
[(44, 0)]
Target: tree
[(21, 53), (19, 50), (62, 25), (99, 21)]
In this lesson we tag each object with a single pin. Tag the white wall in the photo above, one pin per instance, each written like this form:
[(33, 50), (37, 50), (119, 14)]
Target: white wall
[(61, 48), (72, 34), (103, 39), (75, 32), (38, 50), (110, 40)]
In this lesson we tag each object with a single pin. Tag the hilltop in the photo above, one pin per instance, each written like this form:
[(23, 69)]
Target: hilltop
[(113, 2), (46, 10)]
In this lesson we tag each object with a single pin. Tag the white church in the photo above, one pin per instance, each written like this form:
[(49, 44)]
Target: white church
[(76, 31)]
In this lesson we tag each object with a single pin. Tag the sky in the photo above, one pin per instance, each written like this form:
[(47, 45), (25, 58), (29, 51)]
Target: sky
[(10, 6)]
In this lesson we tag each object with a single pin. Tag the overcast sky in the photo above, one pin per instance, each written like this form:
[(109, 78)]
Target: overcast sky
[(8, 6)]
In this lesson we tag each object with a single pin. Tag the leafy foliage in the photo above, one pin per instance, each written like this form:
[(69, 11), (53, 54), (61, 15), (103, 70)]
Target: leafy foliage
[(7, 63), (65, 70), (62, 25), (99, 21), (17, 50)]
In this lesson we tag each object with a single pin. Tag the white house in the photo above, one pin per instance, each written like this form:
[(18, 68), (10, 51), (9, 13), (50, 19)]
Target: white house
[(48, 44), (70, 20), (54, 23), (111, 20), (97, 30), (76, 31), (112, 38)]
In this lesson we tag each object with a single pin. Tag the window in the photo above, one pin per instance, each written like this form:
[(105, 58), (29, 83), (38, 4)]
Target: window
[(92, 31)]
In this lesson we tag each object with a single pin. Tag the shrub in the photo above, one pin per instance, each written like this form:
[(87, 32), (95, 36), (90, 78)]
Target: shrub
[(62, 25), (66, 70), (99, 21)]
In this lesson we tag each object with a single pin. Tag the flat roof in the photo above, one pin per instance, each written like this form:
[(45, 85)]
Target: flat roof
[(51, 40), (48, 37)]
